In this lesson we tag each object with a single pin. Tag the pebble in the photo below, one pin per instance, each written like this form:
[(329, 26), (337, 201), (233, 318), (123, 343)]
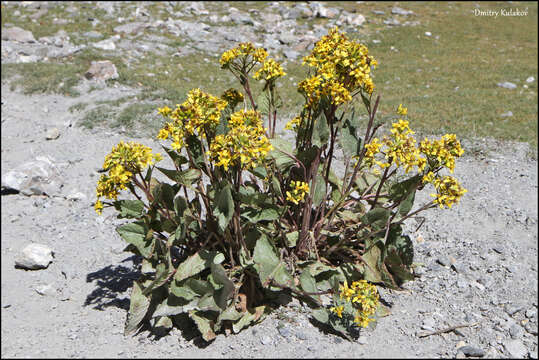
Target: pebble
[(285, 331), (460, 355), (398, 11), (34, 257), (531, 313), (515, 348), (507, 85), (443, 261), (44, 290), (266, 340), (530, 79), (301, 335), (107, 44), (507, 114), (102, 70), (428, 33), (516, 331), (512, 309), (52, 134), (17, 34), (378, 12), (469, 350)]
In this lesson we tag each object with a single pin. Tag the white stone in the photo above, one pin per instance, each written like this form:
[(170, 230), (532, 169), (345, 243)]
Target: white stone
[(428, 33), (107, 44), (35, 256), (515, 348), (530, 79)]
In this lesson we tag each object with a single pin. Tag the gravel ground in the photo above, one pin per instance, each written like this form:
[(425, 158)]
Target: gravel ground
[(479, 261)]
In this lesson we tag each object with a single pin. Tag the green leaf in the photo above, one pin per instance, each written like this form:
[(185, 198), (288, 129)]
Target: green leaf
[(129, 208), (371, 258), (173, 306), (402, 244), (197, 263), (177, 158), (260, 172), (204, 325), (377, 218), (320, 131), (162, 326), (160, 277), (281, 148), (404, 192), (135, 233), (248, 318), (395, 265), (262, 102), (292, 238), (194, 146), (268, 265), (269, 213), (224, 209), (185, 177), (164, 194), (308, 284), (349, 140), (138, 308), (276, 186), (230, 313), (180, 205), (319, 190), (226, 292)]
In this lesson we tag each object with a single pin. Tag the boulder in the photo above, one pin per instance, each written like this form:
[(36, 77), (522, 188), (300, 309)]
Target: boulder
[(17, 34), (36, 177), (101, 70), (35, 257)]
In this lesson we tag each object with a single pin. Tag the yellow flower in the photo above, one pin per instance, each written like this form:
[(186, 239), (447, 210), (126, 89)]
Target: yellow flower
[(98, 207), (337, 310), (269, 71), (165, 111), (402, 110), (299, 190)]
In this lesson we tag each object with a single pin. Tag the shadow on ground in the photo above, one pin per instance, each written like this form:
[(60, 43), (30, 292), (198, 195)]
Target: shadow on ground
[(111, 281)]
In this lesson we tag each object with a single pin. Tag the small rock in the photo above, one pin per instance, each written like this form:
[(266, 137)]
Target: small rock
[(131, 28), (507, 85), (353, 19), (376, 41), (392, 22), (34, 257), (498, 249), (285, 331), (34, 178), (107, 44), (460, 355), (301, 335), (76, 196), (533, 354), (52, 134), (45, 290), (291, 54), (428, 324), (443, 261), (266, 340), (398, 11), (461, 283), (516, 331), (512, 309), (362, 340), (472, 351), (531, 313), (428, 33), (530, 79), (17, 34), (531, 328), (38, 14), (378, 12), (102, 70), (507, 114), (515, 348), (93, 35)]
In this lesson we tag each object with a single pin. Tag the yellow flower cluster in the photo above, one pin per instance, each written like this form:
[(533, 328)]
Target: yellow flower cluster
[(342, 66), (299, 190), (402, 110), (125, 160), (242, 52), (245, 144), (364, 295), (269, 71), (448, 189), (443, 151), (232, 96), (400, 149), (200, 113), (293, 124)]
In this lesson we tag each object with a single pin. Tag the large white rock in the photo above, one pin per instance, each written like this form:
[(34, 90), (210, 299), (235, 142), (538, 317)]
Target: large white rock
[(17, 34), (102, 70), (515, 349), (36, 177), (34, 257)]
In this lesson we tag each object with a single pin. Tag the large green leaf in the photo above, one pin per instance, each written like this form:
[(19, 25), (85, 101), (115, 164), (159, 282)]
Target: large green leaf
[(320, 131), (372, 257), (404, 192), (164, 194), (223, 294), (185, 177), (224, 209), (194, 146), (268, 265), (204, 325), (248, 318), (173, 306), (197, 263), (177, 158), (376, 218), (308, 283), (161, 274), (349, 140), (129, 208), (269, 213), (136, 233), (138, 308), (281, 148)]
